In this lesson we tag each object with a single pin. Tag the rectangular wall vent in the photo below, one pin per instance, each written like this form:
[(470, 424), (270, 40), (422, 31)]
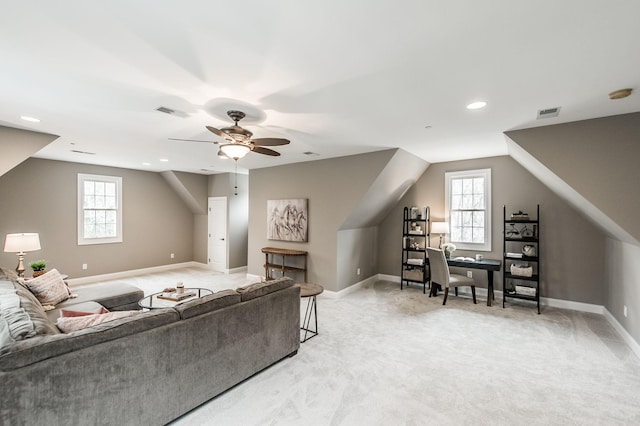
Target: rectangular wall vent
[(165, 110), (174, 112), (548, 113)]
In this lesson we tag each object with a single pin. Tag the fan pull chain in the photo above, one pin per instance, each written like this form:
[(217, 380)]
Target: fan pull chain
[(236, 179)]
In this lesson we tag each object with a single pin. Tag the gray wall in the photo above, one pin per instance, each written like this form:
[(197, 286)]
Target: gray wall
[(223, 185), (16, 145), (40, 196), (599, 159), (572, 248), (334, 187)]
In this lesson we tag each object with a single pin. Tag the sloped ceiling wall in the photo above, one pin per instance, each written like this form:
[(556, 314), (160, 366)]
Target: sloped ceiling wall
[(16, 145), (593, 164), (399, 174)]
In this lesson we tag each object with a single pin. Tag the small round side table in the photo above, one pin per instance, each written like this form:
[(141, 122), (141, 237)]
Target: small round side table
[(310, 291)]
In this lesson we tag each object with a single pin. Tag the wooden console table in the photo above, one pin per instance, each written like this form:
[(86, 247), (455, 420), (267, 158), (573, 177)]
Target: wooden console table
[(270, 263)]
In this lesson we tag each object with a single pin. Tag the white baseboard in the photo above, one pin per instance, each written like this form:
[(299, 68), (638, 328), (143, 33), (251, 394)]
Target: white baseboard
[(635, 347), (237, 270), (125, 274), (338, 294)]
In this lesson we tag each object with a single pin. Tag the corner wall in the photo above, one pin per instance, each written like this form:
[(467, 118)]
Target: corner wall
[(333, 187), (572, 248), (41, 196)]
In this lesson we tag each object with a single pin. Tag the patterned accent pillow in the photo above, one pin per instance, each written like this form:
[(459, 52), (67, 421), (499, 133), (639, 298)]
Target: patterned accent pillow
[(69, 324), (49, 288)]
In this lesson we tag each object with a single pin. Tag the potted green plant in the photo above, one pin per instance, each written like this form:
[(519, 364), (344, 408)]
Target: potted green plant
[(39, 267)]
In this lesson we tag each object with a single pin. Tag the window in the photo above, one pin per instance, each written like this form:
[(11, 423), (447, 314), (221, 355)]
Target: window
[(468, 207), (99, 209)]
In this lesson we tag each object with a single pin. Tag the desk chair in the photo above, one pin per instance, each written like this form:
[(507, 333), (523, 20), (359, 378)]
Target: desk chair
[(440, 275)]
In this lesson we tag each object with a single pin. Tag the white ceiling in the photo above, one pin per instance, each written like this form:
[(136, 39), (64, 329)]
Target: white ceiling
[(335, 77)]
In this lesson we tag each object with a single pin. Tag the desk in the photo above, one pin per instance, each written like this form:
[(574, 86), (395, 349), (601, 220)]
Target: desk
[(488, 265)]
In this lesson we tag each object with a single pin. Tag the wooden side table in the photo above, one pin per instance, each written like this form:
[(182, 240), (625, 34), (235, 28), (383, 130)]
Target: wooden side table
[(310, 291), (270, 263)]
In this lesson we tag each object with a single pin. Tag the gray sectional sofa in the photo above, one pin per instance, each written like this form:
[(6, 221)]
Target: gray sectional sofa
[(149, 368)]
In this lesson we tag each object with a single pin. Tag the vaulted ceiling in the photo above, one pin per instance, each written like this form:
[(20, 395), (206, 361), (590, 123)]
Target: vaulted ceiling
[(334, 77)]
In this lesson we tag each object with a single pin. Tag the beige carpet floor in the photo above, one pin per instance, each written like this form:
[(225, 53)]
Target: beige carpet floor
[(391, 357)]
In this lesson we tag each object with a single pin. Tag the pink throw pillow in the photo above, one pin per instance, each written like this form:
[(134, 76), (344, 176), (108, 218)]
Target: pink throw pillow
[(69, 324), (66, 313)]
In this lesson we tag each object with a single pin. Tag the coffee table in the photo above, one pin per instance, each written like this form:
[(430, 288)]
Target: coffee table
[(153, 302)]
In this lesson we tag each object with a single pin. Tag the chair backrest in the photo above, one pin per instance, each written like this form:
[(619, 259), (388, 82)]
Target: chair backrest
[(438, 266)]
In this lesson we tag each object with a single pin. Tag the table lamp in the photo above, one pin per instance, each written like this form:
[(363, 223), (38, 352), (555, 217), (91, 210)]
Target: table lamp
[(20, 244), (440, 228)]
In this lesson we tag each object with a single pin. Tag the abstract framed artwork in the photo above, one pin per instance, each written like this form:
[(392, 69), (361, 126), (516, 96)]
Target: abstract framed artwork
[(287, 220)]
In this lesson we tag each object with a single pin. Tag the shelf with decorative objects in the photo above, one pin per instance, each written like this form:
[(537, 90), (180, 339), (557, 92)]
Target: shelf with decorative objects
[(415, 240), (521, 254)]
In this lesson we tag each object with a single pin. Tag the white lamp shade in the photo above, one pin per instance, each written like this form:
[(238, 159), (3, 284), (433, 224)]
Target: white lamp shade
[(439, 227), (235, 150), (19, 243)]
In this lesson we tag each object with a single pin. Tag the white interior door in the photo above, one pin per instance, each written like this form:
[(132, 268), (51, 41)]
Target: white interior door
[(218, 234)]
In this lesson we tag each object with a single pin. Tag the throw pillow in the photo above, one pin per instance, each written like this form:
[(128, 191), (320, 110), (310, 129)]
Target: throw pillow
[(49, 288), (68, 313), (69, 324)]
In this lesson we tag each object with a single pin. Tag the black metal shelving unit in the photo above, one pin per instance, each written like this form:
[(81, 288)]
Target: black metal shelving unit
[(414, 247), (519, 232)]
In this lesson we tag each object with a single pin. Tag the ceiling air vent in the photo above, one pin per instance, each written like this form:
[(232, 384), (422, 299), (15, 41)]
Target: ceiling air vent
[(83, 152), (165, 110), (172, 111), (548, 113)]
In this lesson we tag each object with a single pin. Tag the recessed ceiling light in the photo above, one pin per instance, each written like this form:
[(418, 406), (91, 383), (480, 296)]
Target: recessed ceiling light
[(164, 160), (32, 119), (146, 164), (477, 105)]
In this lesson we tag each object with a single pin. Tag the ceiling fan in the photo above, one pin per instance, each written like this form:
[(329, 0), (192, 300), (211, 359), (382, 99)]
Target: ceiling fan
[(238, 142)]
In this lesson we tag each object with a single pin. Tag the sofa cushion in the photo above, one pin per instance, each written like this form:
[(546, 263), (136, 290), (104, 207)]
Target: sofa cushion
[(208, 303), (49, 288), (114, 296), (260, 289), (78, 322), (38, 348)]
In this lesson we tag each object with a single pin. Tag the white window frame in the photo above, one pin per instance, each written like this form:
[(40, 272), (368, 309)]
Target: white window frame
[(486, 174), (82, 178)]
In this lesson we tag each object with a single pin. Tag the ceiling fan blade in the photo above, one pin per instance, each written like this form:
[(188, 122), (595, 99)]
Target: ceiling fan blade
[(220, 133), (265, 151), (270, 141), (190, 140)]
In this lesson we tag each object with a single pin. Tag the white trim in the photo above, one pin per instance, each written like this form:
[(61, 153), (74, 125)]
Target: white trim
[(338, 294), (237, 270), (82, 177), (624, 333), (486, 174), (126, 274)]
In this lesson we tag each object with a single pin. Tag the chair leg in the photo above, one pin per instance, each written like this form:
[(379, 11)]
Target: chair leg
[(473, 292), (446, 293), (456, 290)]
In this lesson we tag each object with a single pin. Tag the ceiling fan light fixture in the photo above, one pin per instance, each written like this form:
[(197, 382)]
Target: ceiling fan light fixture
[(234, 150)]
